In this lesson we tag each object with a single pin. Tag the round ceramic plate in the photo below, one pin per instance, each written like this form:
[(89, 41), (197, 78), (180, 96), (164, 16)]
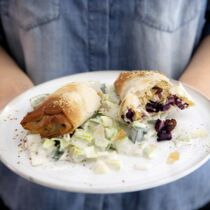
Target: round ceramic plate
[(76, 177)]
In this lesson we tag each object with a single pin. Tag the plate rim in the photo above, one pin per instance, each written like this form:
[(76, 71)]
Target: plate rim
[(94, 190)]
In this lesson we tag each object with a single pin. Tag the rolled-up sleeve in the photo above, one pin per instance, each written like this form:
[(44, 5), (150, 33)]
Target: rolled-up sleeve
[(2, 37), (206, 30), (2, 41)]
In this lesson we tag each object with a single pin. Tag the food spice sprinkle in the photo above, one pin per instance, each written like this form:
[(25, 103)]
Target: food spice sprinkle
[(14, 118), (173, 157)]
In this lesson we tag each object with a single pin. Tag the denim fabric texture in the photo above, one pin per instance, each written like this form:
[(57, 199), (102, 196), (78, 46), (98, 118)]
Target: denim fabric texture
[(53, 38)]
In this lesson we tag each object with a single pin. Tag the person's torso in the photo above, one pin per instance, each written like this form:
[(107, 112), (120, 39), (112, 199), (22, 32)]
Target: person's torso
[(52, 38)]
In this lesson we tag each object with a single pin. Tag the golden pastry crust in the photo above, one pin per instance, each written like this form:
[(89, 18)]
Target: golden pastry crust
[(127, 75), (63, 111)]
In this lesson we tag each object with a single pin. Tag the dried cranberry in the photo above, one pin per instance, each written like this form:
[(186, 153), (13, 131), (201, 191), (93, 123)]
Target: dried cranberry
[(150, 108), (164, 129), (130, 114), (153, 106), (166, 107), (178, 101), (170, 124), (159, 125), (183, 106), (180, 104), (164, 135), (171, 100)]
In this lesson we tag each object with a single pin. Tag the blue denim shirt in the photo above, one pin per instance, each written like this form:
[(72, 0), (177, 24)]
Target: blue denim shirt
[(52, 38)]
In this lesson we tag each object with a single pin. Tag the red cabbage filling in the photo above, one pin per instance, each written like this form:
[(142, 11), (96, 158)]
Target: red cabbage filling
[(172, 100), (128, 116)]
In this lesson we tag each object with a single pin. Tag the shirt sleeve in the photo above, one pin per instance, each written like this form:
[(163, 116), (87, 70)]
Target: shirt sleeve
[(2, 39), (206, 30)]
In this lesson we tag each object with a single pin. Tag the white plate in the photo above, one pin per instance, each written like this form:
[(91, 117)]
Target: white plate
[(76, 177)]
